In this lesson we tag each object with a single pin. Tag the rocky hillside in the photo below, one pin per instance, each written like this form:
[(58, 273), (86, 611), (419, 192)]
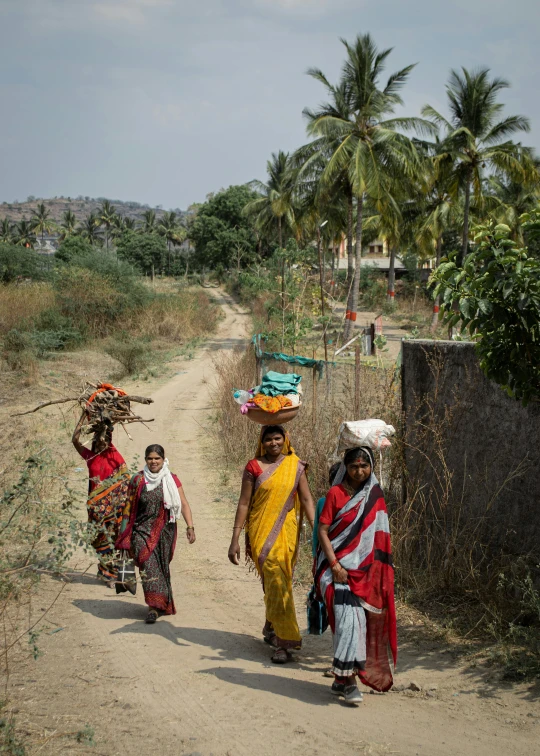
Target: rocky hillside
[(81, 206)]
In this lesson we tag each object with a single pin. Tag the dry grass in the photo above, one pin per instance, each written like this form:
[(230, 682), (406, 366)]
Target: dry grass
[(313, 434), (177, 317), (20, 303)]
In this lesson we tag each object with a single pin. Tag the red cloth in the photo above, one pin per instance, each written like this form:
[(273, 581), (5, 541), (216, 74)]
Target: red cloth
[(336, 499), (372, 580), (253, 468), (102, 464)]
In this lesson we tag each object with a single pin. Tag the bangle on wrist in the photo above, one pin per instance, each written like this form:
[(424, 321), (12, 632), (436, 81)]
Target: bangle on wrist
[(190, 527), (336, 561)]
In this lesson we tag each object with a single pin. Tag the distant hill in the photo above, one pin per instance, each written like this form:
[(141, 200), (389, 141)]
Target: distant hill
[(81, 206)]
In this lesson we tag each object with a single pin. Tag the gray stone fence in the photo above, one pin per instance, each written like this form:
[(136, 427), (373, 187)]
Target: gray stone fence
[(470, 449)]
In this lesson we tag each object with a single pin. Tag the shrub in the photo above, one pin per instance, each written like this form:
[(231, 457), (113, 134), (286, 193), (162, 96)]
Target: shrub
[(72, 248), (133, 354), (146, 251), (98, 292), (19, 262)]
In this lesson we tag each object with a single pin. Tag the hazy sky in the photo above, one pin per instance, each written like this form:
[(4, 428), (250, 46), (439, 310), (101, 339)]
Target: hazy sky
[(163, 101)]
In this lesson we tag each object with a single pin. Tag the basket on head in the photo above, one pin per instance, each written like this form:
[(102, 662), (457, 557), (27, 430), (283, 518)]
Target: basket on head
[(262, 417)]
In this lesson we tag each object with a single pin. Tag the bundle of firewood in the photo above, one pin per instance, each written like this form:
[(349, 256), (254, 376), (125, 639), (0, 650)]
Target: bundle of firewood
[(104, 406)]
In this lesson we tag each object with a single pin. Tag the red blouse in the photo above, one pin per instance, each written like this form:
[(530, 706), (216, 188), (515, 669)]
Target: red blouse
[(252, 470), (336, 498), (101, 465)]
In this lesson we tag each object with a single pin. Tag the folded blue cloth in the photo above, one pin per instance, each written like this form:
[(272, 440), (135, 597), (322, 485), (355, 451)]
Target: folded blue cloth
[(278, 384)]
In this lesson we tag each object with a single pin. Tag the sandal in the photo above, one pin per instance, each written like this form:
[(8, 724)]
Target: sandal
[(280, 656), (151, 617)]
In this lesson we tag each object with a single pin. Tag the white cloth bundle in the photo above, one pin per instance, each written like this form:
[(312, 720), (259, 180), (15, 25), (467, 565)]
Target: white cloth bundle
[(171, 497), (373, 433)]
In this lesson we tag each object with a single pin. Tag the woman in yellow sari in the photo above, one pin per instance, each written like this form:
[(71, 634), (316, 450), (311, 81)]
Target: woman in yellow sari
[(275, 494)]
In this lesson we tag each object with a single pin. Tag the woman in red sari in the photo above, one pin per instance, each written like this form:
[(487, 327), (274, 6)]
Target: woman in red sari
[(355, 577), (148, 531), (107, 491)]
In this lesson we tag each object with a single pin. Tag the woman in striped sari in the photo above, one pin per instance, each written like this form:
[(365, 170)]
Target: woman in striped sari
[(355, 577), (275, 493), (107, 491)]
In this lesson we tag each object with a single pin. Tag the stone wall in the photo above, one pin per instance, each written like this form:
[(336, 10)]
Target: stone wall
[(467, 440)]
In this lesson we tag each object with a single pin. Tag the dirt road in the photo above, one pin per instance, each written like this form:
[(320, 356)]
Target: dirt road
[(201, 682)]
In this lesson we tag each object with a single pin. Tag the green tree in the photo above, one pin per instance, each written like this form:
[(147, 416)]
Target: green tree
[(6, 231), (89, 229), (106, 215), (498, 295), (221, 227), (41, 221), (366, 144), (508, 199), (149, 222), (172, 231), (475, 139), (24, 234), (147, 252), (73, 247), (275, 205), (69, 224)]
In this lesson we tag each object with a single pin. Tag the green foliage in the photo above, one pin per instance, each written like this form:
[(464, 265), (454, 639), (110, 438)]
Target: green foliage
[(132, 353), (10, 743), (221, 233), (72, 248), (19, 262), (373, 287), (498, 295), (146, 251)]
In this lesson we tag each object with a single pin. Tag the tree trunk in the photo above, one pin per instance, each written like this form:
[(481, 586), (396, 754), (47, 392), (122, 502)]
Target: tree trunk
[(280, 241), (392, 276), (437, 302), (350, 268), (352, 303), (465, 243), (335, 253)]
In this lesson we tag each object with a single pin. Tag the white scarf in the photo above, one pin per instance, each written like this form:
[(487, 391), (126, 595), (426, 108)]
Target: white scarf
[(171, 497)]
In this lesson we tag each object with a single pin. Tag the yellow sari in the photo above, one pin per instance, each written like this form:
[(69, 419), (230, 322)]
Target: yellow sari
[(273, 529)]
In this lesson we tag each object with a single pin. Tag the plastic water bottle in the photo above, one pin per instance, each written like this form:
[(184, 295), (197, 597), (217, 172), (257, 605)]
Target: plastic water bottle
[(242, 397)]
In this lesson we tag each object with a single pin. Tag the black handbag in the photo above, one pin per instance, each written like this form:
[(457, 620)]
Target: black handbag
[(317, 616), (127, 578)]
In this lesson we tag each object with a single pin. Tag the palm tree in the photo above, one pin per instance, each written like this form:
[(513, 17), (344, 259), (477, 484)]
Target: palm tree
[(89, 229), (366, 144), (106, 215), (68, 225), (476, 139), (316, 155), (24, 233), (149, 222), (170, 228), (6, 231), (41, 221), (275, 205), (508, 199), (129, 224)]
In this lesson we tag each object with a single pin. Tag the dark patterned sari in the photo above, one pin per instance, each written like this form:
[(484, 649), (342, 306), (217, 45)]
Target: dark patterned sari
[(150, 537)]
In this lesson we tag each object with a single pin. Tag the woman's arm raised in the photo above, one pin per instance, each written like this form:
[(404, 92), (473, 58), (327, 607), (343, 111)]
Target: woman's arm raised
[(240, 519), (76, 436)]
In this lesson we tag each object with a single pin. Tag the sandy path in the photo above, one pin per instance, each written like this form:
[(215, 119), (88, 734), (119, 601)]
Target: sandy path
[(201, 682)]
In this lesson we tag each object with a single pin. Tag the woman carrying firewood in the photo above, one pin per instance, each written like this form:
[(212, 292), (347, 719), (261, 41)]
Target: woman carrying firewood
[(107, 491)]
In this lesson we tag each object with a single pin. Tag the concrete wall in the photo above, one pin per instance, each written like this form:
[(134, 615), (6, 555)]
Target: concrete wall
[(492, 443)]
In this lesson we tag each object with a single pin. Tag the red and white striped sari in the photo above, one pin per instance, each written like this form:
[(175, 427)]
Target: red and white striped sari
[(362, 612)]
